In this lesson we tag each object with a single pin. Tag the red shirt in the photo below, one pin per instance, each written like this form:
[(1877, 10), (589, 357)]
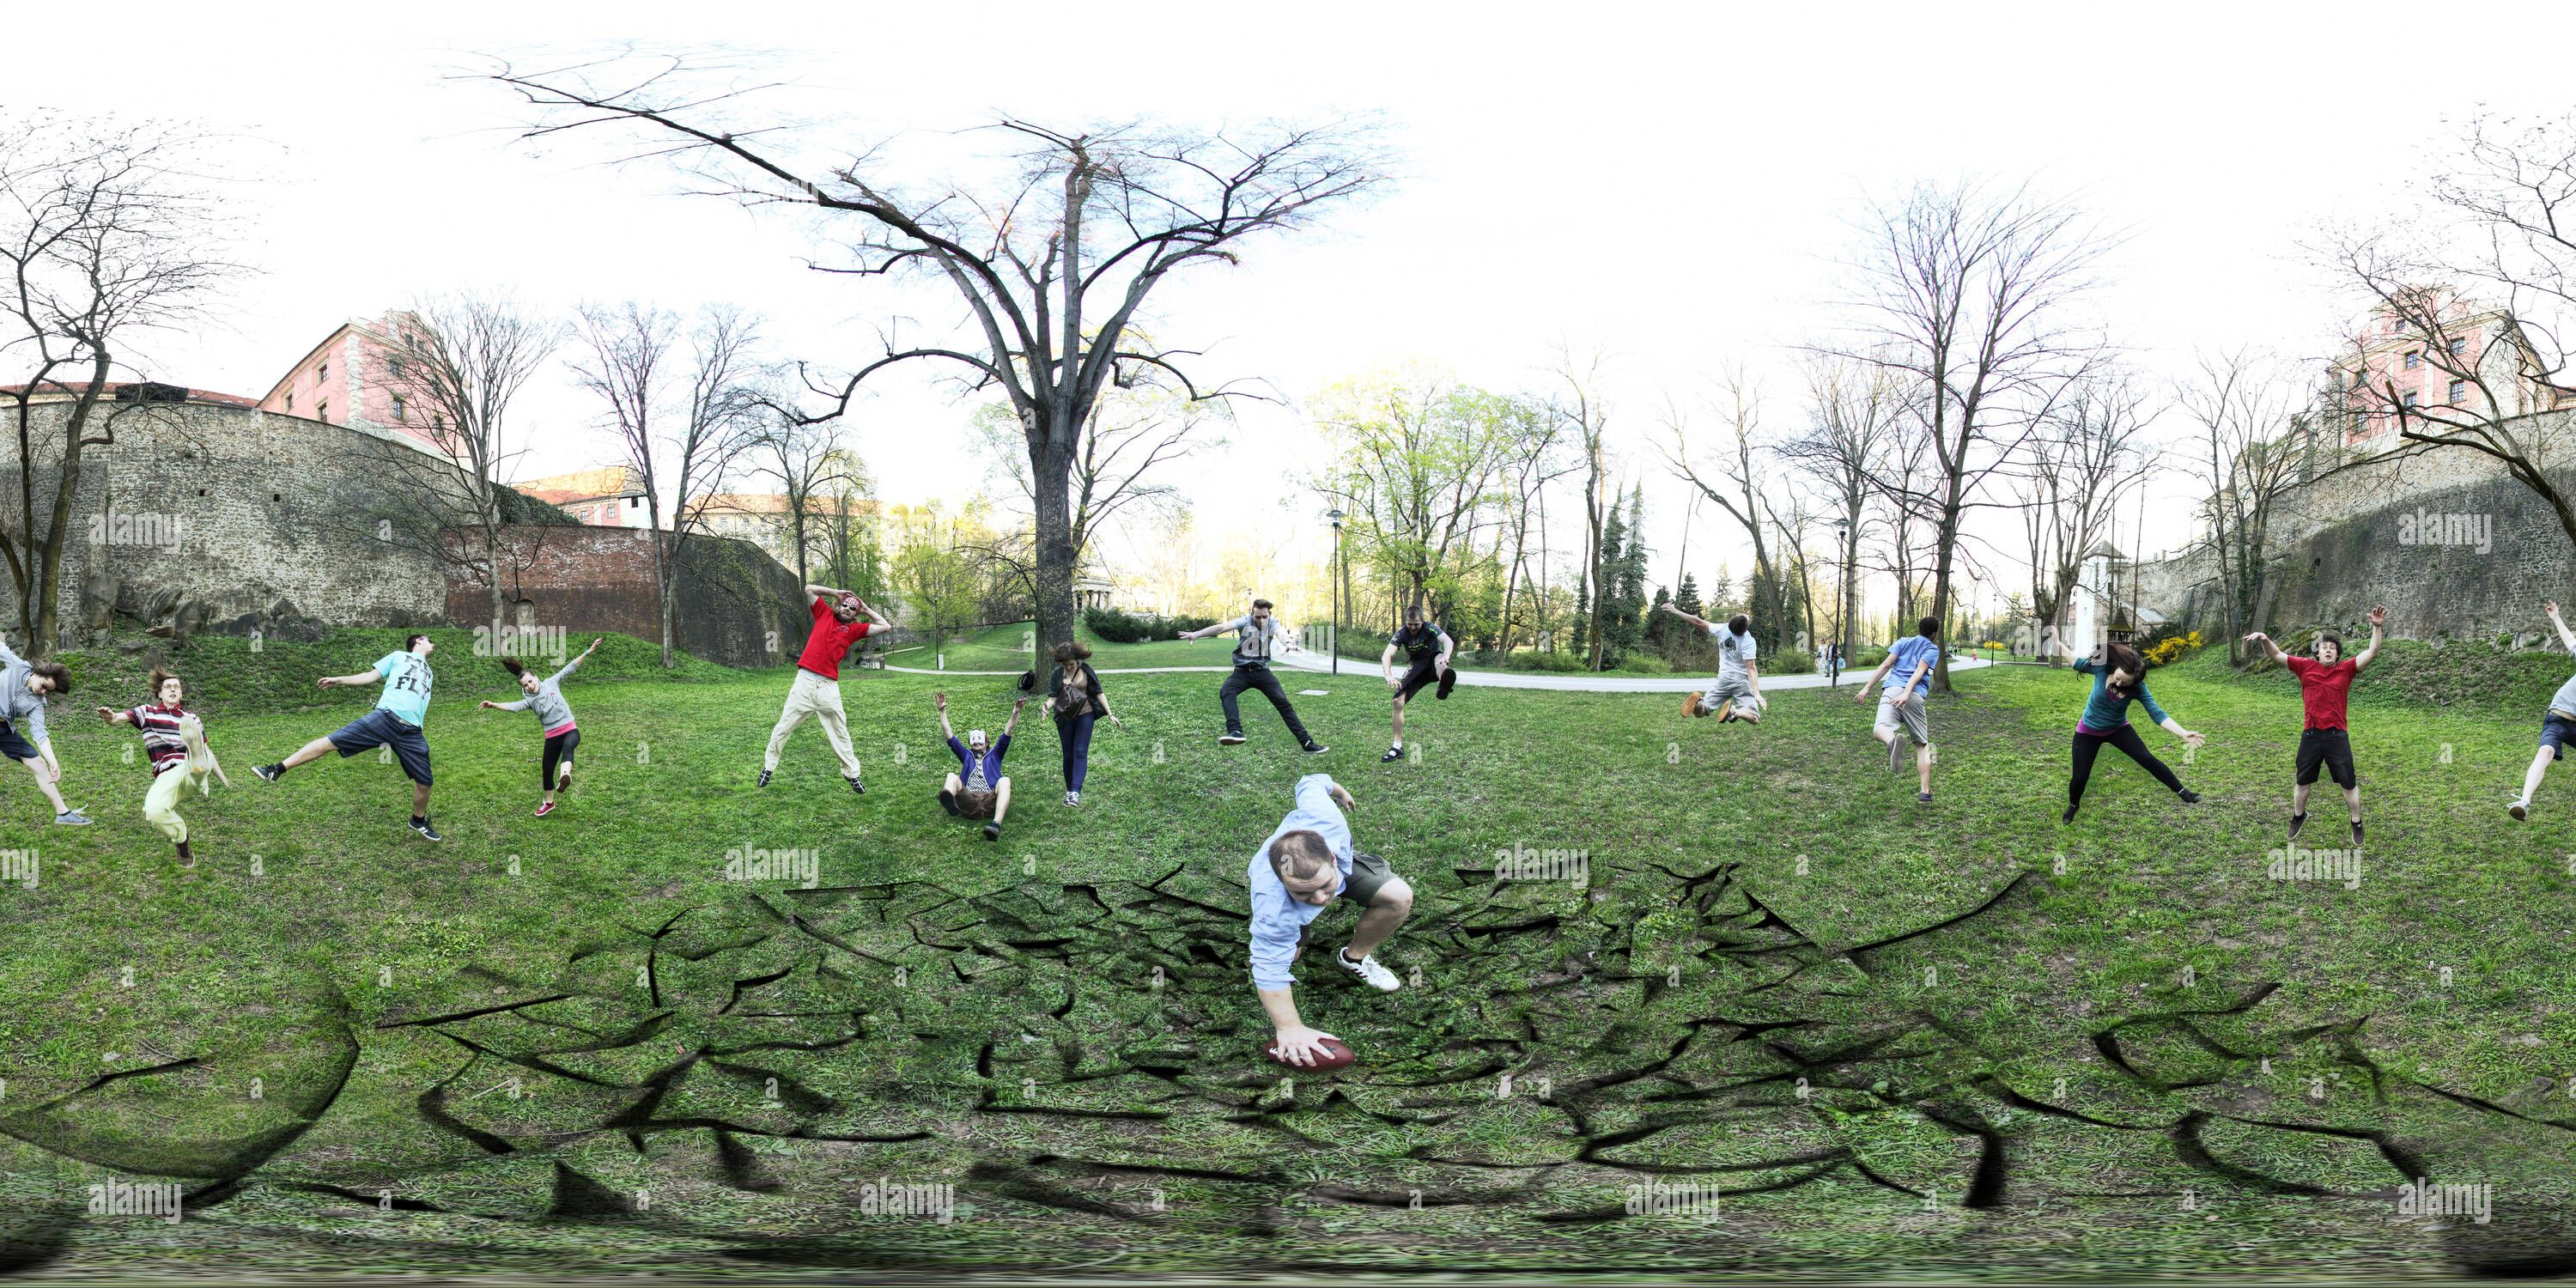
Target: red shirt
[(2323, 688), (830, 641)]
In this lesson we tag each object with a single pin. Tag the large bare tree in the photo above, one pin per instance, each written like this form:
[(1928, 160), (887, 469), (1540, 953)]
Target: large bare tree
[(1052, 265), (2254, 448), (1855, 409), (683, 419), (460, 361), (1734, 476), (107, 232), (1966, 295), (2085, 457), (1584, 403)]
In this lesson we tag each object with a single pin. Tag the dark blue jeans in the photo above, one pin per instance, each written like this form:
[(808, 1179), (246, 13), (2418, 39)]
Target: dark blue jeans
[(1075, 733)]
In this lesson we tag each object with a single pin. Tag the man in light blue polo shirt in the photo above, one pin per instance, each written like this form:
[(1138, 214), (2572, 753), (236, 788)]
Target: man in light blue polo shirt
[(1305, 865), (395, 722), (1907, 676)]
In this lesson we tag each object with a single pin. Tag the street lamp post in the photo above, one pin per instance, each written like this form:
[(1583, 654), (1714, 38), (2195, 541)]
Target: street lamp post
[(1842, 596), (1332, 570)]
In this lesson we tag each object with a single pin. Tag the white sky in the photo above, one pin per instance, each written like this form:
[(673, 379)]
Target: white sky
[(1666, 181)]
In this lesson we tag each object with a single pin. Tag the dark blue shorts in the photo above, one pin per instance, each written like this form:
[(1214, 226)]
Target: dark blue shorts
[(14, 744), (382, 728), (2556, 731)]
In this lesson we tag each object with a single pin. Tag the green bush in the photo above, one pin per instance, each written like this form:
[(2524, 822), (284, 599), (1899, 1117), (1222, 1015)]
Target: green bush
[(1118, 626), (1532, 660)]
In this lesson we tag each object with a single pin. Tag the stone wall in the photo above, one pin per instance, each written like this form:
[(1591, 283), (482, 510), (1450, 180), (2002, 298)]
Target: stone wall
[(256, 517), (239, 518), (2473, 560)]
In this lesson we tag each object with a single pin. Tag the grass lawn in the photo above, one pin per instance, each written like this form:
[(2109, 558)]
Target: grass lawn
[(1953, 1038)]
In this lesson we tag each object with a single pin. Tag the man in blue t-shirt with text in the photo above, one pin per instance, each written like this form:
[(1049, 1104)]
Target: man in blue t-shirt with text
[(1905, 677), (395, 723)]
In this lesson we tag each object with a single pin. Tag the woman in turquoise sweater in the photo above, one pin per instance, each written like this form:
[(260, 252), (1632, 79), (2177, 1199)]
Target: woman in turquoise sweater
[(2119, 678)]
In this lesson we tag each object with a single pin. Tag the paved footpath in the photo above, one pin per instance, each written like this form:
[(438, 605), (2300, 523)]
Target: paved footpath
[(1360, 671)]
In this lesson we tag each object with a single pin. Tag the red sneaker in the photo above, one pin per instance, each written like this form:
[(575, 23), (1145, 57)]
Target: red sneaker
[(544, 808)]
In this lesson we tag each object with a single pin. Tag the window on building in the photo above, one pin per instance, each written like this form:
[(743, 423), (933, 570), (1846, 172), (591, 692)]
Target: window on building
[(322, 410), (321, 371), (290, 400), (2459, 390), (2414, 359), (2410, 400), (402, 411), (393, 367), (2459, 347)]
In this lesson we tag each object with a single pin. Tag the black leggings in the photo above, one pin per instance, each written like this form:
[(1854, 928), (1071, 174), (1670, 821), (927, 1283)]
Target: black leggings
[(2088, 745), (559, 747)]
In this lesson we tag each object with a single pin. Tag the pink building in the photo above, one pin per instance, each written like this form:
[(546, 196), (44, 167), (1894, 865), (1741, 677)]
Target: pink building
[(2445, 374), (355, 378), (606, 497)]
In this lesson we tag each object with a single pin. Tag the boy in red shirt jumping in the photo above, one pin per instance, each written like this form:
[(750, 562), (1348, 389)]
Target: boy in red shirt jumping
[(817, 691), (2324, 684)]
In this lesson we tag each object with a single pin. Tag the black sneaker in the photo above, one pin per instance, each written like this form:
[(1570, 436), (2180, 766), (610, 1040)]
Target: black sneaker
[(1923, 797), (1448, 681), (2189, 797), (2068, 816), (1228, 739), (270, 772), (857, 788), (421, 825), (2356, 834), (992, 831), (1392, 753), (2297, 821), (764, 779), (1316, 749), (948, 801)]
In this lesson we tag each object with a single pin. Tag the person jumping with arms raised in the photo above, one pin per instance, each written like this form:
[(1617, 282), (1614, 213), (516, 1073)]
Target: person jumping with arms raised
[(2324, 684)]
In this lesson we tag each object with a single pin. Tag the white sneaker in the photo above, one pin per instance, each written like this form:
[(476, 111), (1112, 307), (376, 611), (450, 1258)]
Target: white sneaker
[(1378, 977), (1072, 798)]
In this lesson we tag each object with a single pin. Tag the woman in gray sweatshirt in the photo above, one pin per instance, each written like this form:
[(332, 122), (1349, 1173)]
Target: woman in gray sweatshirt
[(554, 715)]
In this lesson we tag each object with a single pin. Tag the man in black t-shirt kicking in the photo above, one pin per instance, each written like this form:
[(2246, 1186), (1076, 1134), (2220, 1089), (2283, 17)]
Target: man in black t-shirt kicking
[(1428, 648)]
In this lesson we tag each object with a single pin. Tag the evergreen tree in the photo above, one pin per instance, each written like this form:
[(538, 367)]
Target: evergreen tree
[(1687, 598)]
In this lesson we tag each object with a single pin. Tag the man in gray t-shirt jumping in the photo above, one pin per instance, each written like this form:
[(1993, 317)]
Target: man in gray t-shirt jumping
[(1256, 635)]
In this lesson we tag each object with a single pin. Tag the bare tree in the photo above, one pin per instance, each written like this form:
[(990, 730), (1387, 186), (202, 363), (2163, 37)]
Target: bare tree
[(1735, 480), (1131, 432), (1966, 297), (1051, 266), (463, 359), (2254, 450), (2085, 456), (1855, 407), (1585, 407), (808, 464), (106, 232), (2472, 310), (1535, 460), (679, 450)]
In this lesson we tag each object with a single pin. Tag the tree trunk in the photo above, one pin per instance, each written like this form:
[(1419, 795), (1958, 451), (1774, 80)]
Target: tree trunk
[(49, 582), (1051, 468)]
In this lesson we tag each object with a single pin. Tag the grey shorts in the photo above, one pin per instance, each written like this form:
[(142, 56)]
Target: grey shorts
[(1737, 687), (1369, 874), (1909, 714)]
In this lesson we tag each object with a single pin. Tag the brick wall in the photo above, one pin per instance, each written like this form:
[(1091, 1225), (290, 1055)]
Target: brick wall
[(737, 605)]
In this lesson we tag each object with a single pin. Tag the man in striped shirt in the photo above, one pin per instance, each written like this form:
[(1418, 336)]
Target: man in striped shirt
[(165, 742)]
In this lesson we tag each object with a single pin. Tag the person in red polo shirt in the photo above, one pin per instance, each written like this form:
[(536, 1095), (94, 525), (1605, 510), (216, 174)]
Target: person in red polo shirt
[(817, 691), (2324, 684)]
